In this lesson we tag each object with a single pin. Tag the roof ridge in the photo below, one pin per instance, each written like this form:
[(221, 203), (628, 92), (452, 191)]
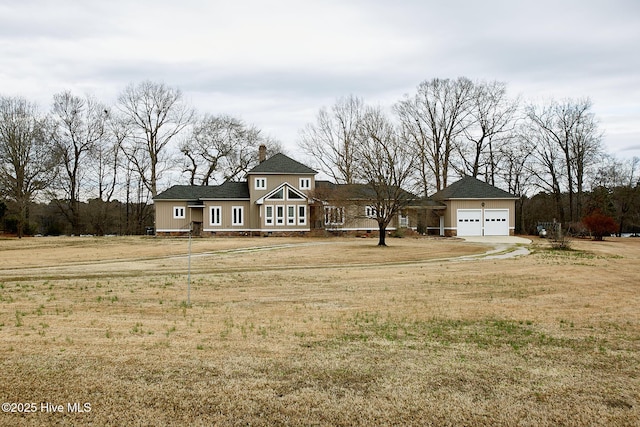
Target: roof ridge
[(469, 187), (281, 163)]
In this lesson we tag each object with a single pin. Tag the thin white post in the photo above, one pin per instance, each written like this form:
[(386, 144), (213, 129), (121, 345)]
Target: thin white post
[(189, 268)]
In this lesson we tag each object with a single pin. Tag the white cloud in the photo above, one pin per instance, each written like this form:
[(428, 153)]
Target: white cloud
[(276, 63)]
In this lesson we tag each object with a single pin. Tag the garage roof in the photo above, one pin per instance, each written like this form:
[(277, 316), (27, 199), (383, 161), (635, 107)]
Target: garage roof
[(471, 188)]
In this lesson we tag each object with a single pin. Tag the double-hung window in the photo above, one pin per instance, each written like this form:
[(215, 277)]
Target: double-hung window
[(179, 212), (268, 215), (237, 215), (305, 184), (216, 215), (279, 215), (261, 183), (333, 215), (302, 215), (291, 215), (370, 211)]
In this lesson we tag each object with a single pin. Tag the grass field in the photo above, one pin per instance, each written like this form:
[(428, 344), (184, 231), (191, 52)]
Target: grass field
[(318, 332)]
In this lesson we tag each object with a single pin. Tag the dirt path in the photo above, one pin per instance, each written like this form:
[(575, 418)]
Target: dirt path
[(211, 261)]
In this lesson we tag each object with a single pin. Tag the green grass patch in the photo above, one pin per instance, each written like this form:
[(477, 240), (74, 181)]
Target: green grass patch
[(372, 327)]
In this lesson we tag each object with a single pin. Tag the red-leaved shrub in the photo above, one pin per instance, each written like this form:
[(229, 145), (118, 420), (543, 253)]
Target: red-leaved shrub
[(599, 224)]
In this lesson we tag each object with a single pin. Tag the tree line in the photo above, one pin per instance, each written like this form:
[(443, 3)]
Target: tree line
[(86, 167), (450, 128)]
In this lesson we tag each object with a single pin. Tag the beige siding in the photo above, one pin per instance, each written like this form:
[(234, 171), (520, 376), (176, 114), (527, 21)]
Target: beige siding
[(226, 217), (274, 181), (165, 220), (355, 219), (257, 212)]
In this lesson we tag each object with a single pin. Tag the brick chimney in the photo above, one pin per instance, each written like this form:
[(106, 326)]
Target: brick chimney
[(262, 153)]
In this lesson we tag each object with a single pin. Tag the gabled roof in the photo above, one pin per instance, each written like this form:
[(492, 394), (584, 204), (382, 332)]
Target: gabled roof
[(261, 200), (227, 190), (281, 164), (471, 188)]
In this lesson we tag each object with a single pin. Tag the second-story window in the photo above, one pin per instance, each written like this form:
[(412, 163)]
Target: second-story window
[(305, 183), (261, 183)]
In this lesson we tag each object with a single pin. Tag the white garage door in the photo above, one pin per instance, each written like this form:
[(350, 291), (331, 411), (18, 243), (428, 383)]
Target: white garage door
[(469, 222), (496, 222)]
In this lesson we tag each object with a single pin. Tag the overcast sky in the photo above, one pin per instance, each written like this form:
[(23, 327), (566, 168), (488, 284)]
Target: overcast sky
[(276, 63)]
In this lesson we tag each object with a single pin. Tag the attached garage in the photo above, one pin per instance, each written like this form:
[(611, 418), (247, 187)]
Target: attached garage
[(475, 208), (469, 222)]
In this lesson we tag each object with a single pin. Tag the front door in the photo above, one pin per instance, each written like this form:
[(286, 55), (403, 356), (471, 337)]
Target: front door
[(196, 229)]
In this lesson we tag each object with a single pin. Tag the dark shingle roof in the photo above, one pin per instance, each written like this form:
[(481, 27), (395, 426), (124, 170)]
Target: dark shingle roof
[(281, 164), (227, 190), (231, 190), (357, 191), (184, 192), (471, 188)]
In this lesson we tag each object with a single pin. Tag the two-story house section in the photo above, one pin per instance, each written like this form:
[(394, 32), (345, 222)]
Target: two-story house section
[(280, 194), (274, 199)]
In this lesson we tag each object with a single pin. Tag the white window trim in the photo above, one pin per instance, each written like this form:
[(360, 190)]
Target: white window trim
[(291, 219), (212, 216), (280, 218), (284, 195), (260, 183), (302, 218), (304, 184), (293, 191), (179, 212), (370, 211), (235, 211), (268, 219), (333, 212)]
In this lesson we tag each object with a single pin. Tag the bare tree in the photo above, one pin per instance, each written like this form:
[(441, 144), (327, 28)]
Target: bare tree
[(516, 166), (222, 148), (385, 165), (547, 166), (107, 157), (571, 127), (211, 140), (244, 156), (620, 179), (155, 114), (331, 140), (516, 170), (491, 121), (79, 127), (106, 163), (433, 121), (27, 158)]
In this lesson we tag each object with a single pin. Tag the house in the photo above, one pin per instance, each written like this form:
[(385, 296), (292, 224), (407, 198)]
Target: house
[(470, 207), (281, 196), (274, 198)]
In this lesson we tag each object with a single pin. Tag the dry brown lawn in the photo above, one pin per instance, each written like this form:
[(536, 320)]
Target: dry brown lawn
[(318, 332)]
